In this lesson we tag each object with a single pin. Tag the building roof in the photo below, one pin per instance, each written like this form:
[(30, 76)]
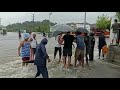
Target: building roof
[(78, 23)]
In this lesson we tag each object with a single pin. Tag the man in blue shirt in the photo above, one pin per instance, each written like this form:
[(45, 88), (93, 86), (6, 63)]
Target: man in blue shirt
[(79, 53)]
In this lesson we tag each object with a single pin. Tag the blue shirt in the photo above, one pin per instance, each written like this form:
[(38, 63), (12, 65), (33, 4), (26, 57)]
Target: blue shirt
[(80, 42)]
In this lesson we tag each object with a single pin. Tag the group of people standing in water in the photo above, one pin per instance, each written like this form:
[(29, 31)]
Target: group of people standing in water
[(85, 46), (32, 52)]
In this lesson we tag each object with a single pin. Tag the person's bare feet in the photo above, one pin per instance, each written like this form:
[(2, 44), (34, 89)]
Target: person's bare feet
[(67, 66), (71, 65), (60, 61), (23, 64), (26, 64), (64, 66), (82, 65), (75, 66), (78, 65), (87, 63)]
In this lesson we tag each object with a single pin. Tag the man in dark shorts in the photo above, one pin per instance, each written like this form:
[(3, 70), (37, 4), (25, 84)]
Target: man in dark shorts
[(67, 49)]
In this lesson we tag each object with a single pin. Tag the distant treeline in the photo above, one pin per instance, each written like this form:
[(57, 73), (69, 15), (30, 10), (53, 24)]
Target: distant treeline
[(30, 26)]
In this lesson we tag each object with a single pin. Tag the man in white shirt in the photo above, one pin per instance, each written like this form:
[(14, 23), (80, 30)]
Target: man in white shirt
[(58, 46)]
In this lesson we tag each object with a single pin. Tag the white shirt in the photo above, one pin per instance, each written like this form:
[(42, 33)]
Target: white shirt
[(33, 43), (57, 44)]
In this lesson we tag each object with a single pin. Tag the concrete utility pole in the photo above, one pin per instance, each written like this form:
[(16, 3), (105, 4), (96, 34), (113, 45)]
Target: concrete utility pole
[(33, 15), (85, 21), (50, 13)]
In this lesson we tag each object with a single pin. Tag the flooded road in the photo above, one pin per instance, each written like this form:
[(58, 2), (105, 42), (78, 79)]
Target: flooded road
[(8, 47), (10, 63)]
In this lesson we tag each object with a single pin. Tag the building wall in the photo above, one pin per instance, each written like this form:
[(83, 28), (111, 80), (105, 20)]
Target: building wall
[(82, 26), (113, 54)]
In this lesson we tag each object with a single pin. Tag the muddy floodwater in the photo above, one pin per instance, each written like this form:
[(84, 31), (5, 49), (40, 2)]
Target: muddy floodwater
[(10, 63)]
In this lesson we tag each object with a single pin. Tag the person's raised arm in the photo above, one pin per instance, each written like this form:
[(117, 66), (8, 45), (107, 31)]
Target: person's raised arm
[(31, 49), (20, 45)]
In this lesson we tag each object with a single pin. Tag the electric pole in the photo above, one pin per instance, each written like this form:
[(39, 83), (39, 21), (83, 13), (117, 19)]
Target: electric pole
[(50, 13), (33, 15), (85, 21)]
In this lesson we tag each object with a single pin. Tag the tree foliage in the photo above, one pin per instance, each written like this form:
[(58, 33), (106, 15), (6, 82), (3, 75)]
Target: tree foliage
[(103, 22), (118, 15), (30, 26)]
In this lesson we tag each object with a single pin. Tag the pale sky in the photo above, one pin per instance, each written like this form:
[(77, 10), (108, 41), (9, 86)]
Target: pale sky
[(59, 17)]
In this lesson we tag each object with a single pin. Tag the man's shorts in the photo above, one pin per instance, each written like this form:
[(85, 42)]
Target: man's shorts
[(67, 51), (34, 50), (79, 54), (25, 59), (115, 35)]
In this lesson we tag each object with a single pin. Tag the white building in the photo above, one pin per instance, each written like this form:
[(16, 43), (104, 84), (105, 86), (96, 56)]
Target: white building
[(82, 25)]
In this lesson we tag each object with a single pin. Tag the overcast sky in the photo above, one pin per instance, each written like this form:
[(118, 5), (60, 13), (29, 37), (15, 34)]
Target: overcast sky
[(59, 17)]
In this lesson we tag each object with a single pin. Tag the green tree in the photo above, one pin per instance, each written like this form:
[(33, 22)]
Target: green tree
[(118, 15), (103, 22), (28, 26)]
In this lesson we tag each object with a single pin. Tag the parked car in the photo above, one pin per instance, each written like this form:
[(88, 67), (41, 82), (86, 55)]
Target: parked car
[(3, 32)]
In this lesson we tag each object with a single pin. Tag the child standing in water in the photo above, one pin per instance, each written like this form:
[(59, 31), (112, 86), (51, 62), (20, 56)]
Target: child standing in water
[(25, 49)]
